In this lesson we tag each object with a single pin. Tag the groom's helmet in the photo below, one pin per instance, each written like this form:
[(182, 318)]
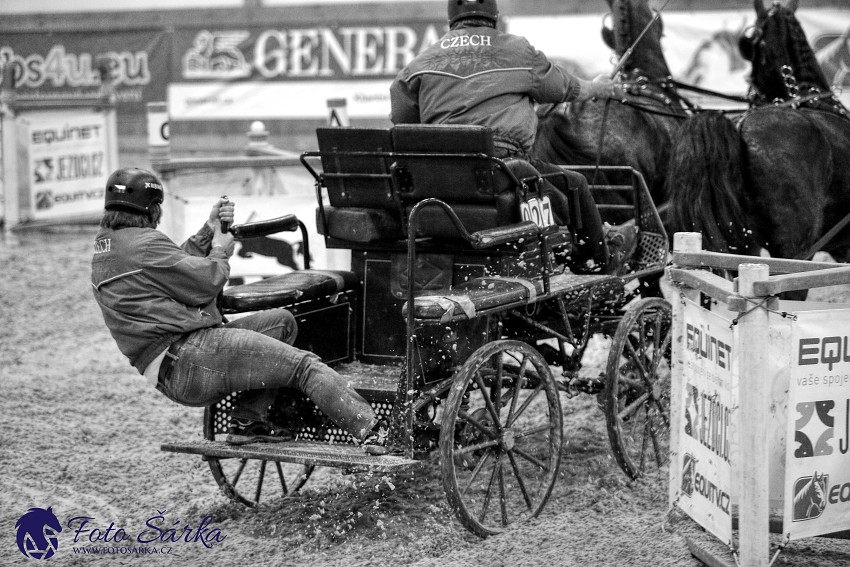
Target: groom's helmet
[(459, 9), (132, 188)]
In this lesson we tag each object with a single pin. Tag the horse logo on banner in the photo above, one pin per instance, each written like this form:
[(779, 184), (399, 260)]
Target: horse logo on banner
[(810, 496)]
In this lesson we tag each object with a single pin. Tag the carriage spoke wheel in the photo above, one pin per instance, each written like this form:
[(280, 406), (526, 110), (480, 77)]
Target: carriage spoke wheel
[(248, 481), (500, 437), (636, 399)]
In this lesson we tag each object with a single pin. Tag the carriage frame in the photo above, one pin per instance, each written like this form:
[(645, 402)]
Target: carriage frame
[(450, 319)]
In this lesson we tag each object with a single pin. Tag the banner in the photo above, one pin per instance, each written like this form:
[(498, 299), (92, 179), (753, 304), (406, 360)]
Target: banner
[(268, 101), (57, 65), (706, 439), (247, 73), (68, 161), (817, 462), (701, 48)]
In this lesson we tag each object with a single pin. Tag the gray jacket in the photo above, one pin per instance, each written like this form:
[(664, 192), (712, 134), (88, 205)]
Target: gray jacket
[(151, 291), (481, 76)]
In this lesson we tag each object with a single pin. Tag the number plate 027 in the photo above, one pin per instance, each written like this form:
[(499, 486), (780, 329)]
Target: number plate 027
[(538, 211)]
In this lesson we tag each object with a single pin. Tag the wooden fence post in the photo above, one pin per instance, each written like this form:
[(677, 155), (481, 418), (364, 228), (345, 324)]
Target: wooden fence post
[(752, 346)]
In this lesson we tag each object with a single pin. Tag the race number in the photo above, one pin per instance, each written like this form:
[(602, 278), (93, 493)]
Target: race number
[(538, 211)]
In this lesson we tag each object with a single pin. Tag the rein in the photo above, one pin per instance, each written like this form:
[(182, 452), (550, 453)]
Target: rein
[(700, 90)]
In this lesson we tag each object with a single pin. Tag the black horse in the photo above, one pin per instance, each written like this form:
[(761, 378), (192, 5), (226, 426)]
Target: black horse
[(777, 177), (636, 131)]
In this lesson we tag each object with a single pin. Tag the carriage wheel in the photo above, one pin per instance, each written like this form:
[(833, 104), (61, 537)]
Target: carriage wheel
[(247, 481), (500, 437), (636, 399)]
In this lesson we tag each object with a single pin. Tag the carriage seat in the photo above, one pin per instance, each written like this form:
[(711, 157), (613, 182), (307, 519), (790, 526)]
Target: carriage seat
[(375, 176), (355, 165), (287, 289), (467, 300), (456, 164)]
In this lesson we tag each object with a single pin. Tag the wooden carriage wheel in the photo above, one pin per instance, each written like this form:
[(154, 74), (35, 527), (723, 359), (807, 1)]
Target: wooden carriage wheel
[(500, 437), (246, 481), (636, 399)]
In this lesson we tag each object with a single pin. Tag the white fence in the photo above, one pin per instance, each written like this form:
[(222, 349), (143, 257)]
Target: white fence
[(760, 401)]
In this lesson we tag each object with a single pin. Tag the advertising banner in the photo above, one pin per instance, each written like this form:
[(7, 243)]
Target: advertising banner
[(68, 161), (277, 72), (58, 65), (701, 48), (706, 439), (817, 462)]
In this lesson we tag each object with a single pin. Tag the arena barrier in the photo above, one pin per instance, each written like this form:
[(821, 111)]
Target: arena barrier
[(56, 155), (760, 401)]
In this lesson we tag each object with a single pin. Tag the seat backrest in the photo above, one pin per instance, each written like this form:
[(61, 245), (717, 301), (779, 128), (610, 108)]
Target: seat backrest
[(356, 166), (443, 161)]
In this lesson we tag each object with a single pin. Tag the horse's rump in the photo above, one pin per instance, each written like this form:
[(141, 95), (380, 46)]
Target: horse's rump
[(797, 178)]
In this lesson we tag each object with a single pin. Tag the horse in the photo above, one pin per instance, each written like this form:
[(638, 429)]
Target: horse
[(636, 131), (776, 177)]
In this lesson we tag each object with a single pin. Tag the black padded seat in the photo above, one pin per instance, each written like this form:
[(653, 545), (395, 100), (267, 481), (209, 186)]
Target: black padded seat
[(465, 300), (286, 289), (360, 224), (456, 164), (356, 172), (356, 152)]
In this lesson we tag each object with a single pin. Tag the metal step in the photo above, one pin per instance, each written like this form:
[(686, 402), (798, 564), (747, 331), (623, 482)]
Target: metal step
[(351, 457)]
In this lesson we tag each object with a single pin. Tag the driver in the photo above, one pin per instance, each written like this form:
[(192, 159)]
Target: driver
[(159, 302), (476, 74)]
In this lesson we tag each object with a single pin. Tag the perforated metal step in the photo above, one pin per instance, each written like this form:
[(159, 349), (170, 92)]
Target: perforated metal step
[(319, 454)]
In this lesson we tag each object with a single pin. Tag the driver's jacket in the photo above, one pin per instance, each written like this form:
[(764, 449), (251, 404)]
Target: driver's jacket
[(481, 76), (152, 291)]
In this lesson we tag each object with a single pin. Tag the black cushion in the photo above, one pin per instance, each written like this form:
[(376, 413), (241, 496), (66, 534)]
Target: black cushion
[(286, 289), (359, 224)]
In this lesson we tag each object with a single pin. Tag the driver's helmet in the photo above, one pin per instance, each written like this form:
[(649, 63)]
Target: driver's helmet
[(459, 9), (132, 188)]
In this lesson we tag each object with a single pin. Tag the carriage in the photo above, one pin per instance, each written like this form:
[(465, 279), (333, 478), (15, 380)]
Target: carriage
[(457, 322)]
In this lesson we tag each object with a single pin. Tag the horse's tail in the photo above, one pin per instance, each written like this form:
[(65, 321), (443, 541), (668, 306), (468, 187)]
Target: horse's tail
[(705, 183)]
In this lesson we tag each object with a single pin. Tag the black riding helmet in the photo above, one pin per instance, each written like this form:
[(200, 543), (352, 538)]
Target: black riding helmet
[(459, 9), (132, 188)]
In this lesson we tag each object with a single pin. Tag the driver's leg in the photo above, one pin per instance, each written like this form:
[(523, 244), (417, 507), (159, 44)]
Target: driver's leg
[(216, 361), (592, 251), (278, 324)]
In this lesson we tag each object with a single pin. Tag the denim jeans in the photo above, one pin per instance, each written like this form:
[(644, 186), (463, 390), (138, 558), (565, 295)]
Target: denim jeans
[(254, 355)]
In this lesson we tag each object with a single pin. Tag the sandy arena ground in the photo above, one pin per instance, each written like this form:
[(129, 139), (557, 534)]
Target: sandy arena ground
[(80, 432)]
